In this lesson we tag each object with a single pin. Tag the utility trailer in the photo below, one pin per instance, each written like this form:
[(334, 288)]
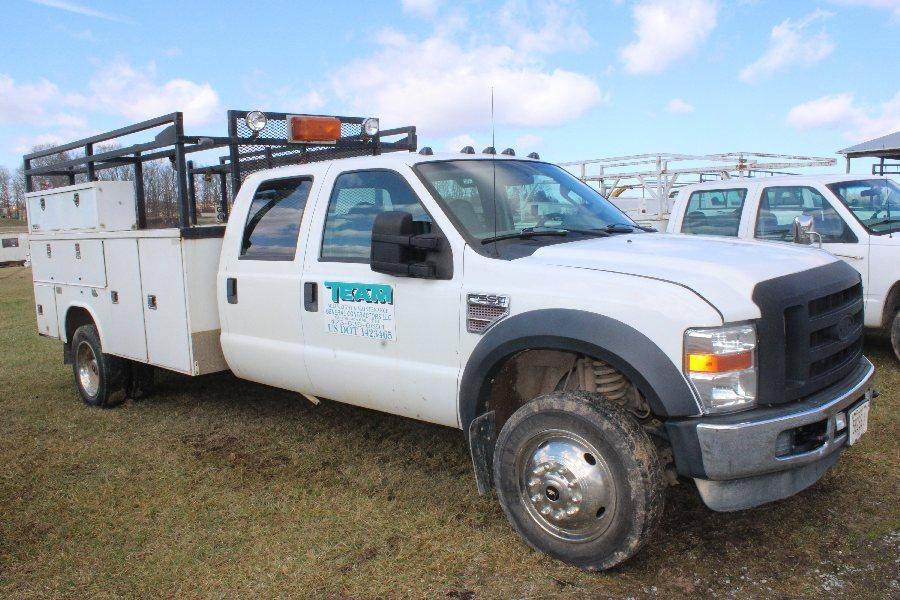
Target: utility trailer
[(148, 283)]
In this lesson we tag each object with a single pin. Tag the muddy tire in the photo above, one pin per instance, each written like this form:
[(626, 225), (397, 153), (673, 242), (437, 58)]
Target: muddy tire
[(895, 334), (579, 479), (99, 378)]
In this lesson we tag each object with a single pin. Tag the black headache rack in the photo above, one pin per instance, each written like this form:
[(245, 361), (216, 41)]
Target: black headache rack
[(247, 151)]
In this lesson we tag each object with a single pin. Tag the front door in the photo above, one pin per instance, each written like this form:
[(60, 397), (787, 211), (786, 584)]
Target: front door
[(372, 339), (778, 205), (262, 335)]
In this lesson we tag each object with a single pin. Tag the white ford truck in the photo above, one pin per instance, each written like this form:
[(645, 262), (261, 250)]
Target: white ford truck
[(587, 362), (856, 218)]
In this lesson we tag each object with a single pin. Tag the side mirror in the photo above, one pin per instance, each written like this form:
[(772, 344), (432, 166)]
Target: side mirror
[(803, 232), (398, 249)]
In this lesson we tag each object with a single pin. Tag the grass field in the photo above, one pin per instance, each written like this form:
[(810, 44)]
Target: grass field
[(216, 487), (13, 224)]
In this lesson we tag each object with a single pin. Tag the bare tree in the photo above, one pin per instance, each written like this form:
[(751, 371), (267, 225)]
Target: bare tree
[(6, 193)]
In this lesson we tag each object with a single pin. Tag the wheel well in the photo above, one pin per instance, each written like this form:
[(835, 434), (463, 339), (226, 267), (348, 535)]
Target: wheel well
[(75, 318), (891, 304), (528, 374)]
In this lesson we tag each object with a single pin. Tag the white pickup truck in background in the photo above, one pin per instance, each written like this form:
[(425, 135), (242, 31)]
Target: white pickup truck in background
[(589, 363), (856, 218)]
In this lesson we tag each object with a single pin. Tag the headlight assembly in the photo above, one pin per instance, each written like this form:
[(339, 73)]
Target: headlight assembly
[(720, 362)]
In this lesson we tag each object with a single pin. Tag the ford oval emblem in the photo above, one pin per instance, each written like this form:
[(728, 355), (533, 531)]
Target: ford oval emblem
[(843, 328)]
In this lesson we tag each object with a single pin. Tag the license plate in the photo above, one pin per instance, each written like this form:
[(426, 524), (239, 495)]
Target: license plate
[(859, 422)]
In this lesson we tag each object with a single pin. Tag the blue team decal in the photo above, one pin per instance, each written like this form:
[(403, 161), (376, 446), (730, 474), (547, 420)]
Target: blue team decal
[(342, 291), (360, 309)]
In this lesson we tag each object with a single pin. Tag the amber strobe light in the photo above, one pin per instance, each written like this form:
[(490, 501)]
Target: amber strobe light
[(313, 129)]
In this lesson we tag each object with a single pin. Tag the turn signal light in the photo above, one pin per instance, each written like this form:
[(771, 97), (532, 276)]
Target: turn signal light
[(313, 129), (719, 363)]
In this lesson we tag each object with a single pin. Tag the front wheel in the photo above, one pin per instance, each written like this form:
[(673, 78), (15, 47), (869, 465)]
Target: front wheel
[(579, 479), (895, 334)]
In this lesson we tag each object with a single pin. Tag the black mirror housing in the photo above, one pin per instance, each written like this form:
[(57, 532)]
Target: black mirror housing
[(398, 248)]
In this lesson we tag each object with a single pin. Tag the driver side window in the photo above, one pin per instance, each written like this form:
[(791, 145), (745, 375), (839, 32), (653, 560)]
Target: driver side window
[(357, 198), (779, 206)]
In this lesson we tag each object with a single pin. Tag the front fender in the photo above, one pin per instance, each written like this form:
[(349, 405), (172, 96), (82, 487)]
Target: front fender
[(622, 346)]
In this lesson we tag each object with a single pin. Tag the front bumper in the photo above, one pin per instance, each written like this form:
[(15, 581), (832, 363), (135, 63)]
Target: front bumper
[(750, 458)]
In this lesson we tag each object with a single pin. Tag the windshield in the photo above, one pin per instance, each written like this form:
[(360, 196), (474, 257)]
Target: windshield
[(532, 199), (874, 202)]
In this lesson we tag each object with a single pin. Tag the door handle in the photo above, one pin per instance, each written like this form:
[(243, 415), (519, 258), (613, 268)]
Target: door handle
[(311, 296), (231, 290)]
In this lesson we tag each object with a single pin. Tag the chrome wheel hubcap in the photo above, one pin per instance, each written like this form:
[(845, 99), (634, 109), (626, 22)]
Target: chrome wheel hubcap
[(88, 369), (566, 486)]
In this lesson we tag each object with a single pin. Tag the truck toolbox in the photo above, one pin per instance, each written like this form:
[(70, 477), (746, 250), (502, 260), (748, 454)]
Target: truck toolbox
[(97, 205), (92, 206)]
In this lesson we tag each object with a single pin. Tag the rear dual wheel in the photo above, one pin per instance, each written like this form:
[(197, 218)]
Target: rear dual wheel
[(579, 479), (104, 380)]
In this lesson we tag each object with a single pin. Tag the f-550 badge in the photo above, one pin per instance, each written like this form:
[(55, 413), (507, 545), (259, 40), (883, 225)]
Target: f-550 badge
[(485, 310)]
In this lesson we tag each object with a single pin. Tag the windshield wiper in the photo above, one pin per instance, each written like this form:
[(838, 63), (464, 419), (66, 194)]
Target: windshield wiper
[(595, 232), (524, 234), (627, 228)]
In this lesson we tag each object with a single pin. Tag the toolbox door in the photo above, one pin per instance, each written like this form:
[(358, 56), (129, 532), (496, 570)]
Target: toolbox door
[(124, 333), (164, 303)]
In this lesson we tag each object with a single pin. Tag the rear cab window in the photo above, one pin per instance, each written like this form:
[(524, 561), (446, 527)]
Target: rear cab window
[(714, 212), (273, 221)]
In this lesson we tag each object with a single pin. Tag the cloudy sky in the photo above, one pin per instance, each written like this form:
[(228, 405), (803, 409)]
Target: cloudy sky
[(572, 79)]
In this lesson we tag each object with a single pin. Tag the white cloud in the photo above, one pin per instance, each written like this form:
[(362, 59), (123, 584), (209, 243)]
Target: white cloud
[(421, 8), (666, 31), (120, 89), (679, 106), (309, 102), (841, 111), (791, 43), (135, 93), (556, 28), (25, 102), (528, 143), (444, 86), (458, 142), (79, 9), (891, 5)]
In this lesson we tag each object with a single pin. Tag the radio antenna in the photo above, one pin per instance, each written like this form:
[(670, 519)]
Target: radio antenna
[(494, 170)]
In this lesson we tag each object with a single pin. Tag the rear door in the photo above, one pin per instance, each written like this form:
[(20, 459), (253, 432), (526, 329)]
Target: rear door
[(262, 333), (372, 339)]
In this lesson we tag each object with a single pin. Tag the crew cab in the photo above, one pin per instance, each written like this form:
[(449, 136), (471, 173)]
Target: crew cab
[(854, 218), (588, 362)]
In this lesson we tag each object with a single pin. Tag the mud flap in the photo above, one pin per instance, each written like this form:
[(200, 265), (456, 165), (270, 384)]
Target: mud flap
[(482, 438)]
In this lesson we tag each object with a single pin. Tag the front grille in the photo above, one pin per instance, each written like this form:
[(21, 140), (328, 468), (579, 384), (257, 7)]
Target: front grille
[(834, 301), (810, 334)]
